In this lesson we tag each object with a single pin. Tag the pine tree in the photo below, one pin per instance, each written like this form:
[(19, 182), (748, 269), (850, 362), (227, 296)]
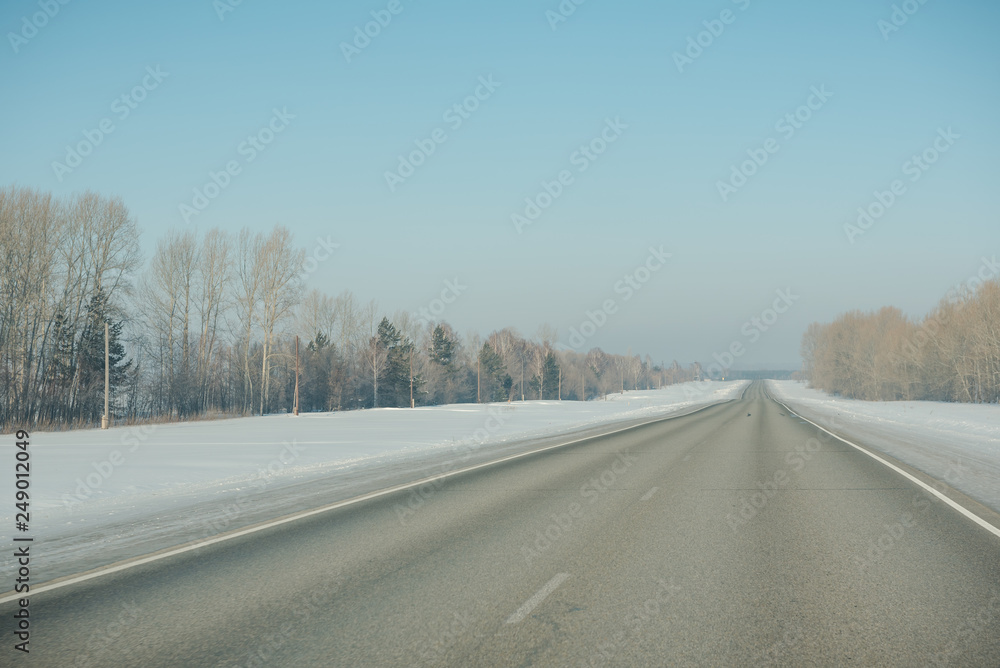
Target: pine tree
[(91, 358), (317, 360), (442, 351), (498, 382), (546, 386), (61, 368), (394, 383), (550, 375), (318, 343)]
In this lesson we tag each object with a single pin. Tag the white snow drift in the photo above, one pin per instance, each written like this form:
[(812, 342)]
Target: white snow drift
[(957, 443), (87, 478)]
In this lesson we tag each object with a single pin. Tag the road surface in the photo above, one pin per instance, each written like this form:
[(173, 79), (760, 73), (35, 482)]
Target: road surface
[(739, 535)]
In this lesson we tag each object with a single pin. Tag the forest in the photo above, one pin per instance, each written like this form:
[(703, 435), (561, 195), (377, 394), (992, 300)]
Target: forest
[(209, 326), (952, 354)]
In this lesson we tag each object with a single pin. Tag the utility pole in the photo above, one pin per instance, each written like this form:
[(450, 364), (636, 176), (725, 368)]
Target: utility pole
[(295, 406), (479, 385), (106, 418), (560, 384), (522, 377), (411, 378), (583, 384)]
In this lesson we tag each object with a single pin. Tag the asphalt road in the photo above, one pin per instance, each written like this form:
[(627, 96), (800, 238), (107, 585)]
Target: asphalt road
[(737, 536)]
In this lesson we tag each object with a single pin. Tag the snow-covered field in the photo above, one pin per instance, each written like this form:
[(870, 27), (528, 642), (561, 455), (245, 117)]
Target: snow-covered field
[(957, 443), (131, 479)]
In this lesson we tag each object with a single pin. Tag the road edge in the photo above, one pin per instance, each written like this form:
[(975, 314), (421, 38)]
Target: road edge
[(190, 546), (883, 459)]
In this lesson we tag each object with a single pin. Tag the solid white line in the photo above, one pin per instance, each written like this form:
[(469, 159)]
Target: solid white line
[(960, 508), (649, 495), (333, 506), (539, 596)]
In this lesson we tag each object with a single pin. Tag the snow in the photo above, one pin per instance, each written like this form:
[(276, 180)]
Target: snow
[(134, 489), (953, 442)]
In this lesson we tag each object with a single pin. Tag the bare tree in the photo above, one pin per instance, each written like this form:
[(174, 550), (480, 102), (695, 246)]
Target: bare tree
[(249, 285), (376, 354), (214, 301), (316, 314), (166, 301), (31, 228), (279, 265)]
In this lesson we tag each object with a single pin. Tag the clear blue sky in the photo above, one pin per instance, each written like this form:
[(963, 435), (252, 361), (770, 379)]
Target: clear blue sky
[(324, 174)]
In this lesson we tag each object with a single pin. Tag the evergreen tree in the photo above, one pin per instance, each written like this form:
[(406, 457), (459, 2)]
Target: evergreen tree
[(550, 375), (546, 386), (318, 343), (61, 368), (317, 364), (444, 379), (394, 383), (91, 358), (497, 381), (442, 350), (506, 383)]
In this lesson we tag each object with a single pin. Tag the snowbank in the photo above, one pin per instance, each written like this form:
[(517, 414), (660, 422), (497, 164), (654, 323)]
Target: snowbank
[(958, 443), (85, 479)]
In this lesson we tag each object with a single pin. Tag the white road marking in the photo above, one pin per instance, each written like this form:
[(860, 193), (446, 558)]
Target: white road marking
[(535, 600), (960, 508), (649, 495), (124, 565)]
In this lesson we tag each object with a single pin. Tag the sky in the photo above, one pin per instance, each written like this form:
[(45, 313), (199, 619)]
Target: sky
[(667, 171)]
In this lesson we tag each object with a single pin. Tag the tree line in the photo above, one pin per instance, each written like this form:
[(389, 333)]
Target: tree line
[(210, 325), (952, 354)]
